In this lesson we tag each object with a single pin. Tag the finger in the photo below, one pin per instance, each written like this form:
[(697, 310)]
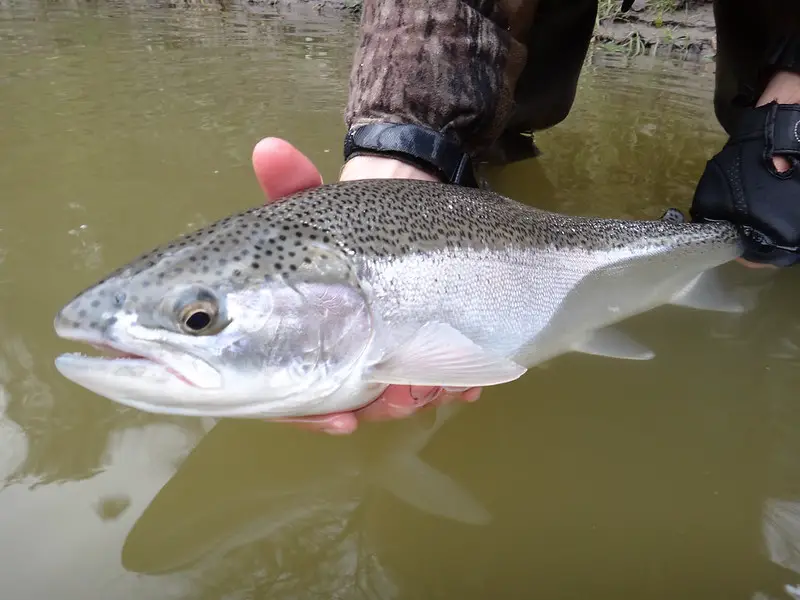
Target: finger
[(781, 164), (281, 169), (399, 401), (472, 394), (334, 423), (752, 265), (467, 395)]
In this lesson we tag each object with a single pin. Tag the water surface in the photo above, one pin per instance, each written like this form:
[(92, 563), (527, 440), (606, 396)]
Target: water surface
[(124, 125)]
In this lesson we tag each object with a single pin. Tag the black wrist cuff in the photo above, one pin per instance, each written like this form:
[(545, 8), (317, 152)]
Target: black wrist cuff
[(418, 146), (778, 125)]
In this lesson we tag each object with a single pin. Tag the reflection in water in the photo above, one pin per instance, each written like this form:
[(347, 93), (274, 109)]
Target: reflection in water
[(13, 443), (132, 122), (302, 527), (776, 338)]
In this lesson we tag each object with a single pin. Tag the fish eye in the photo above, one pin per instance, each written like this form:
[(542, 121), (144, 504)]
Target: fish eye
[(200, 314), (197, 318)]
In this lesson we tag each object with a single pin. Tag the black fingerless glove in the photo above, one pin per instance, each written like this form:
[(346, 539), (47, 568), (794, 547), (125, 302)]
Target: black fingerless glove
[(741, 185)]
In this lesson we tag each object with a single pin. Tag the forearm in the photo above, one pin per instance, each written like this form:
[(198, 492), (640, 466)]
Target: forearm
[(443, 64)]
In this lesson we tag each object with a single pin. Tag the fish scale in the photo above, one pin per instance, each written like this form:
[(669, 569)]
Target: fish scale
[(495, 271)]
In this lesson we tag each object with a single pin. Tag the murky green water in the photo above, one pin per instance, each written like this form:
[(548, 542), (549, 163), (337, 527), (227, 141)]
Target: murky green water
[(121, 127)]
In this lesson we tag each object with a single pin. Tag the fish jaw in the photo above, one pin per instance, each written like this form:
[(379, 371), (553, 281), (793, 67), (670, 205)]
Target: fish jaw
[(150, 385), (127, 380), (132, 376), (191, 369)]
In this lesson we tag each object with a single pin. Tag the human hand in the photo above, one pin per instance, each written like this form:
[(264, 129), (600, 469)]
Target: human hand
[(751, 181), (281, 170)]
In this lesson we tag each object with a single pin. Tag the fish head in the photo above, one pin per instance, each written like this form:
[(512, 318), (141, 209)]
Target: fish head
[(198, 335)]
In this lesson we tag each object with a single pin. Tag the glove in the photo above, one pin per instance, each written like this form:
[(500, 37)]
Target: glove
[(741, 185)]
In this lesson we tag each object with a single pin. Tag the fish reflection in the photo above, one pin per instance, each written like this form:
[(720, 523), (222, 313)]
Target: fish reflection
[(236, 497)]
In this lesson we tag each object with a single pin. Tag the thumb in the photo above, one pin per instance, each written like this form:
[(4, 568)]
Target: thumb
[(281, 169)]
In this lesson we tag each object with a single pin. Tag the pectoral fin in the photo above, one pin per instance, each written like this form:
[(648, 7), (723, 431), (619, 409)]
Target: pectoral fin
[(439, 355), (614, 344)]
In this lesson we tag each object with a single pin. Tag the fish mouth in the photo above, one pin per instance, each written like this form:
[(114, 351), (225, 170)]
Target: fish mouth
[(158, 381), (110, 353)]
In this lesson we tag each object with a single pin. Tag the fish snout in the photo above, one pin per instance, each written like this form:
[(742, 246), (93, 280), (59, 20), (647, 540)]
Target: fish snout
[(88, 312)]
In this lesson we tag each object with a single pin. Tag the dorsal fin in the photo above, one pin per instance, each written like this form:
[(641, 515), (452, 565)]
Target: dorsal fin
[(673, 215)]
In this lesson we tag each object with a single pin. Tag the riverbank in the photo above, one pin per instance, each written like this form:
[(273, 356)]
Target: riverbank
[(660, 27)]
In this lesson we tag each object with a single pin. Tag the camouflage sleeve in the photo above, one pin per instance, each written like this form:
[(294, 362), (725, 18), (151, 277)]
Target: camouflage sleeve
[(451, 65)]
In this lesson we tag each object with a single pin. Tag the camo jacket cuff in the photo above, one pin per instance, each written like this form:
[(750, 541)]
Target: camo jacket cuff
[(450, 65)]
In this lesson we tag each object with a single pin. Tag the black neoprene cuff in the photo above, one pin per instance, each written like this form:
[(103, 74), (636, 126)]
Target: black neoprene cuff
[(421, 147), (778, 125)]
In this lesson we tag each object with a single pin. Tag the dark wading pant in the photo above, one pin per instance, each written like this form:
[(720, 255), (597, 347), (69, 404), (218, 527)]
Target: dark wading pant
[(559, 39)]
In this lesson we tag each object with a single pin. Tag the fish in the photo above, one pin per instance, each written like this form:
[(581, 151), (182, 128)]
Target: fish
[(318, 302)]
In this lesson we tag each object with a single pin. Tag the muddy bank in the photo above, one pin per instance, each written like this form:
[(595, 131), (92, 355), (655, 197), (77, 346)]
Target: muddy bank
[(651, 26), (682, 28)]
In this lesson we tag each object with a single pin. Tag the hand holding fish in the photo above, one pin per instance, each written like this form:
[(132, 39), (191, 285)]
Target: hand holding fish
[(281, 170), (754, 182)]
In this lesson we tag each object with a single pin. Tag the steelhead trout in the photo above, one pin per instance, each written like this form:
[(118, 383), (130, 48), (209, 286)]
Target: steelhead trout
[(318, 302)]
